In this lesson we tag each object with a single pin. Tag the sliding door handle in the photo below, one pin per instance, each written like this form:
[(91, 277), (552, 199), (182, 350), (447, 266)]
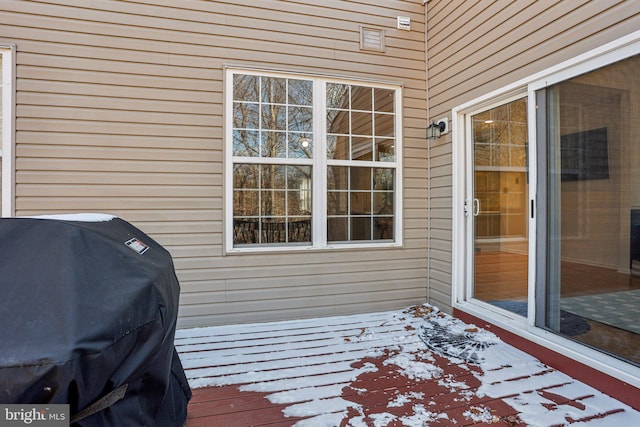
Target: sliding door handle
[(476, 207)]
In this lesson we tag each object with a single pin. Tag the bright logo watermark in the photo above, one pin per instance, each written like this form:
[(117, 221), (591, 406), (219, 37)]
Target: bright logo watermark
[(34, 415)]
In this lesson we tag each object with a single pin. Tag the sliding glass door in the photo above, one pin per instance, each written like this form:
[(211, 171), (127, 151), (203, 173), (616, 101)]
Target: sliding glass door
[(552, 225), (589, 257), (497, 205)]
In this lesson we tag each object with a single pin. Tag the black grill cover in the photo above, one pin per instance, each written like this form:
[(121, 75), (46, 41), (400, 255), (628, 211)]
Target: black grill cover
[(82, 313)]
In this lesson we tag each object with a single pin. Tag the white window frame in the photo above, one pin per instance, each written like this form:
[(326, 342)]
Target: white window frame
[(617, 50), (319, 164), (8, 53)]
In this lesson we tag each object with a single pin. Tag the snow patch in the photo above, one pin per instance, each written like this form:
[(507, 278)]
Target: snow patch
[(413, 368), (480, 414), (383, 419), (421, 417), (402, 399), (77, 217)]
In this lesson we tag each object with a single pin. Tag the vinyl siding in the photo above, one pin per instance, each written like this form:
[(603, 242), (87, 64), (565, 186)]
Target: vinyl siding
[(476, 47), (120, 110)]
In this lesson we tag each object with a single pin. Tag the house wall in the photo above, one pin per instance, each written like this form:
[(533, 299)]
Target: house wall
[(476, 47), (120, 110)]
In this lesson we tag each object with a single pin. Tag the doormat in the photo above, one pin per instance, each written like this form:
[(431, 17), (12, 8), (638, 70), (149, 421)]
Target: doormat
[(618, 309), (570, 324)]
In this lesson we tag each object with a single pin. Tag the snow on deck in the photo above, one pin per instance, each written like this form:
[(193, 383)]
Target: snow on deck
[(402, 368)]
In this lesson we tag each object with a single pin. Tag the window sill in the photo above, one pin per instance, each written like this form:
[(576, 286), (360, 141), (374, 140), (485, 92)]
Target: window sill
[(300, 249)]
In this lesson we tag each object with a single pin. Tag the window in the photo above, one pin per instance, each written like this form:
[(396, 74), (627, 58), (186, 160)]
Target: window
[(311, 162), (7, 113)]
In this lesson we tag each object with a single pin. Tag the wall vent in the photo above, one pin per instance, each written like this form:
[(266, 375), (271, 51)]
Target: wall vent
[(404, 23), (372, 39)]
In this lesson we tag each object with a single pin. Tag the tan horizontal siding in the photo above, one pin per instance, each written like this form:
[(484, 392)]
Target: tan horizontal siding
[(159, 228), (194, 316), (166, 13), (122, 178), (438, 297), (283, 288), (113, 79), (109, 205), (157, 129), (183, 111), (119, 153), (295, 292), (275, 299), (108, 190), (151, 39), (90, 83), (283, 267), (536, 38), (121, 117), (476, 47), (138, 216), (279, 309), (116, 140), (261, 52), (393, 280), (113, 165), (120, 110)]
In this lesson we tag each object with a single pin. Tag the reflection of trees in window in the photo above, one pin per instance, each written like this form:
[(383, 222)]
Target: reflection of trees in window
[(272, 152), (360, 128), (500, 143), (273, 90), (338, 121), (337, 96), (360, 123), (300, 92), (360, 203), (272, 117), (500, 135), (245, 88), (272, 203)]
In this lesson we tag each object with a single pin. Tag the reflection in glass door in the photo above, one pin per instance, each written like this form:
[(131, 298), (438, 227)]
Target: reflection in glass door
[(591, 280), (499, 206)]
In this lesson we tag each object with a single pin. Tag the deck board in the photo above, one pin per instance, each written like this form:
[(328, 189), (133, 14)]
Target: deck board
[(374, 369)]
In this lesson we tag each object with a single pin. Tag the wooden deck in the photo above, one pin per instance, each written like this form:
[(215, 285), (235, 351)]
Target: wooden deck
[(407, 368)]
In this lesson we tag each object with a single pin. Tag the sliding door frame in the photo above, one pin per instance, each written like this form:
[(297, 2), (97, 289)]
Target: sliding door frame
[(531, 328)]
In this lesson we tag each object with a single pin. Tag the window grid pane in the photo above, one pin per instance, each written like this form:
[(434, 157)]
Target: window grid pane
[(271, 204), (272, 117), (500, 136), (360, 208), (360, 123)]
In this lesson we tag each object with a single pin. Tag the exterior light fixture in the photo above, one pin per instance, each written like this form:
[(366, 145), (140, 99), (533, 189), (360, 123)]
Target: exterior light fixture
[(436, 129)]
